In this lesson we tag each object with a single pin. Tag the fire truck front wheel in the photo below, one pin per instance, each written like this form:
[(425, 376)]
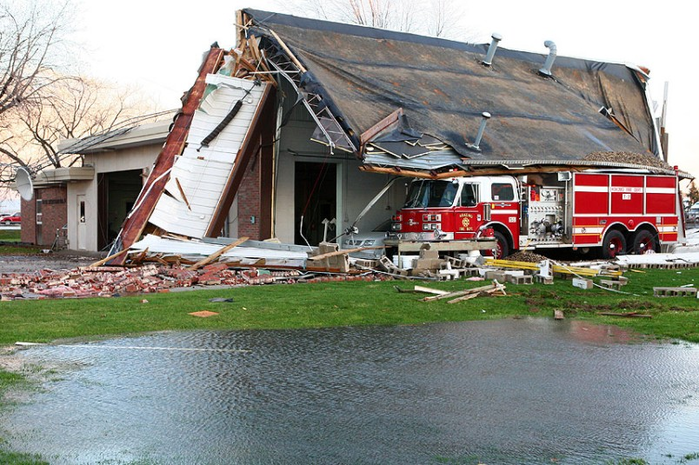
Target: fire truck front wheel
[(614, 244), (502, 248)]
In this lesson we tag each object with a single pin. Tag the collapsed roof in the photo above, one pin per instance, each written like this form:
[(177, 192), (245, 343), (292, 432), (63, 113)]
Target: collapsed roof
[(414, 102)]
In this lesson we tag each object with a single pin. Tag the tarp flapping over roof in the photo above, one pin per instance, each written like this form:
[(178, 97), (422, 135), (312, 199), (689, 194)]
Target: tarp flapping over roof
[(365, 74)]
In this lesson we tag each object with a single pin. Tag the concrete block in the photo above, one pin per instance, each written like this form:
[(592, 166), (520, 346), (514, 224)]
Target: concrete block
[(583, 283), (498, 275), (519, 279), (609, 284), (675, 291)]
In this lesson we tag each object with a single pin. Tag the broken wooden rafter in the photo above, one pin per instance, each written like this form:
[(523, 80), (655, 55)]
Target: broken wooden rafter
[(344, 252), (184, 196), (378, 128), (495, 286), (289, 53), (265, 74), (429, 290), (397, 172), (218, 253), (111, 257)]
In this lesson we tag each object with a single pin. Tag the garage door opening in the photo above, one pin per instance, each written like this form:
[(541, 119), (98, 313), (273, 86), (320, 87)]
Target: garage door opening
[(117, 194), (315, 199)]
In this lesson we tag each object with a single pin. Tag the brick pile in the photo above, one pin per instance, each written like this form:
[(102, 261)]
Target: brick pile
[(108, 281)]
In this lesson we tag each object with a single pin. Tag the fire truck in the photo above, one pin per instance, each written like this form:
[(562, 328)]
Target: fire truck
[(615, 212)]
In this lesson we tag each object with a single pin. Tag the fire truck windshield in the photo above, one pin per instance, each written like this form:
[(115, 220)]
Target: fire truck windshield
[(426, 193)]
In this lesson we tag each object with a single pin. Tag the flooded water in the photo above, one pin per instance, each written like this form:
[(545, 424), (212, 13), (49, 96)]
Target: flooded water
[(512, 391)]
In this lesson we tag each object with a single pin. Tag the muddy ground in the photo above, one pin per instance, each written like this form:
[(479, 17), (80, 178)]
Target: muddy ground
[(56, 261)]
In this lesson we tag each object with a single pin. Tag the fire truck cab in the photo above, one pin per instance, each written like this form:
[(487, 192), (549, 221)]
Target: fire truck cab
[(461, 209), (619, 212)]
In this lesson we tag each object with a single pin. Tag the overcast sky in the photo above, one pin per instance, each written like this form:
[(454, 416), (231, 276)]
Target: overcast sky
[(158, 44)]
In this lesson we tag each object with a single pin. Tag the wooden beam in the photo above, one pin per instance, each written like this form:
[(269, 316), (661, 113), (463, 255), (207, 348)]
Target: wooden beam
[(241, 23), (111, 257), (397, 172), (218, 253), (343, 252), (475, 290), (380, 126), (288, 52), (429, 290), (137, 220)]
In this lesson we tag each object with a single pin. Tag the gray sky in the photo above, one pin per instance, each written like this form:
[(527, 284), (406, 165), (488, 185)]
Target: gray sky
[(158, 44)]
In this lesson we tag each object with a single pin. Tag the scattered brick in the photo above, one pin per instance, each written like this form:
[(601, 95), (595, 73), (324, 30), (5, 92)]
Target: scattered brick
[(105, 281)]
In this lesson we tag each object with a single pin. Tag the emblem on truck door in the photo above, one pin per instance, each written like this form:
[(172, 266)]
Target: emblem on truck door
[(465, 222)]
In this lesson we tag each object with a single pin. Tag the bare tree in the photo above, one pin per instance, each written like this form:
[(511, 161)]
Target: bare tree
[(31, 33), (435, 17), (40, 103), (77, 108)]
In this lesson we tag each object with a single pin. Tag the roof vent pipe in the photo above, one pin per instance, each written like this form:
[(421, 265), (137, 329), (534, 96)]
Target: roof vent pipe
[(481, 129), (546, 70), (491, 50)]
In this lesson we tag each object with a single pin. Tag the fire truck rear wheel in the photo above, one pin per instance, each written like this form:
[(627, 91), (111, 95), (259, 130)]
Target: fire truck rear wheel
[(643, 241), (614, 244)]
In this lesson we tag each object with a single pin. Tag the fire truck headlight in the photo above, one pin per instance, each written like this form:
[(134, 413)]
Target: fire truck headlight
[(431, 226), (396, 227), (432, 217)]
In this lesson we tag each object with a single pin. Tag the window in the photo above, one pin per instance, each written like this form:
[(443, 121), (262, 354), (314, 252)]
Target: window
[(82, 212), (469, 195), (501, 191), (431, 194)]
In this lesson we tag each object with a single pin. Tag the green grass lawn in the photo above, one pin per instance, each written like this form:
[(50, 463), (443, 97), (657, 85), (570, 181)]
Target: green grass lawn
[(10, 243), (285, 306), (10, 235)]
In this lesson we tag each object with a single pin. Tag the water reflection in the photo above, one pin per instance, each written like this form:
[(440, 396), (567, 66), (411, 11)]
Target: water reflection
[(513, 391)]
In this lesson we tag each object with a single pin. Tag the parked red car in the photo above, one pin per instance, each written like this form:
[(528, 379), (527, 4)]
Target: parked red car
[(15, 218)]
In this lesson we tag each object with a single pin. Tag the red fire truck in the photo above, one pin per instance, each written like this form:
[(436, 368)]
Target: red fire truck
[(619, 212)]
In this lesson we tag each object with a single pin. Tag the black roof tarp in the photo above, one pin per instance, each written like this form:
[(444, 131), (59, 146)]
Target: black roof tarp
[(443, 88)]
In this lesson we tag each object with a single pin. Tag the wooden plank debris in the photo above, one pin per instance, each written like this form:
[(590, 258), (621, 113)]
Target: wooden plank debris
[(429, 290), (111, 257), (218, 253), (344, 251), (498, 289), (494, 286), (627, 314)]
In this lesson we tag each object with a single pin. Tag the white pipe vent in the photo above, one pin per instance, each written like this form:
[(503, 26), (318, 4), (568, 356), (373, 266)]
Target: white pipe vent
[(546, 70), (491, 50)]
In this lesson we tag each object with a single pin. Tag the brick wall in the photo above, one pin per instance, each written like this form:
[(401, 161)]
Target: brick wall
[(249, 202), (54, 215)]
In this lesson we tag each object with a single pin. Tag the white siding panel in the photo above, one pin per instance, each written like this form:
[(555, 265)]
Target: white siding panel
[(202, 172), (174, 216), (193, 250)]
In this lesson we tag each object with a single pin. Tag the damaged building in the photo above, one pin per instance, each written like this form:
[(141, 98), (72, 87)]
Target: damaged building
[(292, 133)]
